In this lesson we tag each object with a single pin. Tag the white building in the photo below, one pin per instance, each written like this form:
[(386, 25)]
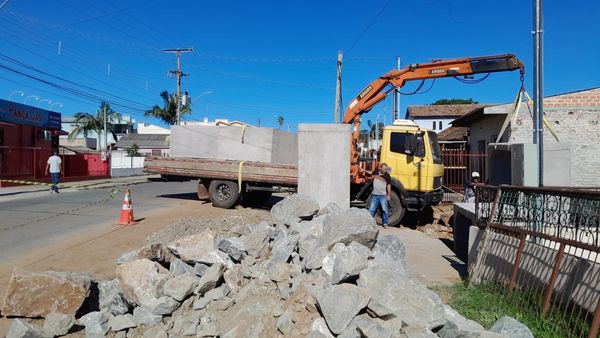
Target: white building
[(438, 117)]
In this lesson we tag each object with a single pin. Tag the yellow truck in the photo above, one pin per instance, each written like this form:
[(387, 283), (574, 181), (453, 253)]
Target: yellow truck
[(412, 153)]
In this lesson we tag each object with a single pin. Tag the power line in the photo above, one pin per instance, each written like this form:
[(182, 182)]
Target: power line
[(367, 28), (143, 2), (74, 91)]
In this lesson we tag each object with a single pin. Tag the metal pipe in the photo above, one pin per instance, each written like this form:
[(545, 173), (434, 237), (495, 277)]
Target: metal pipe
[(538, 88), (553, 277)]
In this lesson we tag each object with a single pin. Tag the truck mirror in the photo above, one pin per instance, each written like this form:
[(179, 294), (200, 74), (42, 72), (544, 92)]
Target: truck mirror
[(410, 145)]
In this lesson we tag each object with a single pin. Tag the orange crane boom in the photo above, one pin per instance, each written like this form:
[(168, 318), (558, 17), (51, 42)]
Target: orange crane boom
[(375, 93)]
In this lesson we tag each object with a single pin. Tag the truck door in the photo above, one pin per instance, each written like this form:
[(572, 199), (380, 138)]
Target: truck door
[(407, 169)]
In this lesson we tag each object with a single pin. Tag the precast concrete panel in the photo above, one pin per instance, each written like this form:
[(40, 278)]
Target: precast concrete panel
[(324, 163)]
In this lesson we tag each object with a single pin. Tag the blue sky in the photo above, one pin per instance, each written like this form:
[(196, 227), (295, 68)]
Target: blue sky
[(260, 59)]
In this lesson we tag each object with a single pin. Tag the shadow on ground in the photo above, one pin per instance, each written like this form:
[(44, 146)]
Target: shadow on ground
[(182, 196), (414, 219)]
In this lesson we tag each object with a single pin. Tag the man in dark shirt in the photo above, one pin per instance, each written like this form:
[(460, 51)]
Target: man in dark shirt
[(382, 187)]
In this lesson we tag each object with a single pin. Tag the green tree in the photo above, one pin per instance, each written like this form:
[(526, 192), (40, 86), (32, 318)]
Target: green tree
[(454, 101), (373, 130), (168, 112), (280, 121), (86, 123), (133, 151)]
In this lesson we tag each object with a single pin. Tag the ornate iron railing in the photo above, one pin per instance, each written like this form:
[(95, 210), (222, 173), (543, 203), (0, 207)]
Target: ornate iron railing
[(542, 246)]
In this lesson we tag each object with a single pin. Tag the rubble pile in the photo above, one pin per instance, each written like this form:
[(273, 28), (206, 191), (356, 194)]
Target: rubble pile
[(312, 273)]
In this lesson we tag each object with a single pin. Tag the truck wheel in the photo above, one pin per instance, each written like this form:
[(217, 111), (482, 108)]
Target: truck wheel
[(395, 209), (223, 194)]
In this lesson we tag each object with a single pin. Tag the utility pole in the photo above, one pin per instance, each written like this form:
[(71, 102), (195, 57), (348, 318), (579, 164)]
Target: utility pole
[(538, 88), (377, 133), (338, 89), (396, 97), (104, 149), (178, 73)]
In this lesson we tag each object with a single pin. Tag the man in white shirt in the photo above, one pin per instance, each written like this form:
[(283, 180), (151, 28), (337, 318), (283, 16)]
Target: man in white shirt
[(54, 164)]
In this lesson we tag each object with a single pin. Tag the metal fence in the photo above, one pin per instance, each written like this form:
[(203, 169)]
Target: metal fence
[(541, 246), (458, 166), (29, 163)]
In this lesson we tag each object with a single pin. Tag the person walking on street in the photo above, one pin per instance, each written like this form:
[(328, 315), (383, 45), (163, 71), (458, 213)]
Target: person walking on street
[(382, 187), (54, 164), (470, 187)]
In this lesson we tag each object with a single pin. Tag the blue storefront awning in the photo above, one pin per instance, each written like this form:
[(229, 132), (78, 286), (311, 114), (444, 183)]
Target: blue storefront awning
[(18, 113)]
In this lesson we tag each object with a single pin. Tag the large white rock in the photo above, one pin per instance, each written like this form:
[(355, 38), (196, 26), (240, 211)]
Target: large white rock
[(233, 246), (35, 294), (110, 297), (58, 324), (294, 207), (193, 248), (121, 322), (179, 287), (393, 295), (354, 225), (21, 329), (140, 280), (340, 303), (511, 327), (210, 279), (344, 262)]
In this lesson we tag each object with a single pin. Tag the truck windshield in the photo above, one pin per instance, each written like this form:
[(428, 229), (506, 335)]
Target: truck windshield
[(435, 147)]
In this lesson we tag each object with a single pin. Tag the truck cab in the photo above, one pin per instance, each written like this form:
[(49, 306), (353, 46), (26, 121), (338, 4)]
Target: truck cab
[(414, 156)]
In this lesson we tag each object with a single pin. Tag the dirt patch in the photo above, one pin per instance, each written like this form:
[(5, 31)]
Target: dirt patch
[(441, 225), (95, 251)]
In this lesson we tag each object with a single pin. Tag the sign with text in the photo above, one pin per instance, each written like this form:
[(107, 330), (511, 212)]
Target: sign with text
[(18, 113)]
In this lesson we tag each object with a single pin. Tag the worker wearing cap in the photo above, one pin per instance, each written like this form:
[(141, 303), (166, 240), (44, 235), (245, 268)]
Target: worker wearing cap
[(470, 187)]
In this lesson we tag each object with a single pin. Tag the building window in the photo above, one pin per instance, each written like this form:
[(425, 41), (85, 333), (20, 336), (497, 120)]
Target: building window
[(440, 126), (433, 125)]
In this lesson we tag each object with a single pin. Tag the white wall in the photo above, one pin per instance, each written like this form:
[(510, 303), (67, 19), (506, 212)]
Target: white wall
[(119, 160), (427, 123), (123, 165), (144, 128)]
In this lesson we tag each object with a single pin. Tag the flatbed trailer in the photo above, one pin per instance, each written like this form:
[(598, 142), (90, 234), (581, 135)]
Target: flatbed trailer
[(227, 182)]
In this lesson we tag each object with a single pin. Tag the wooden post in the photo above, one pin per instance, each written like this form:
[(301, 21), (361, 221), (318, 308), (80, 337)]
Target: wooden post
[(555, 270), (515, 272)]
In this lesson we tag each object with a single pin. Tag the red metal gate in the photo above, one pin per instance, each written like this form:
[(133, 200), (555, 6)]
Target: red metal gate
[(458, 166)]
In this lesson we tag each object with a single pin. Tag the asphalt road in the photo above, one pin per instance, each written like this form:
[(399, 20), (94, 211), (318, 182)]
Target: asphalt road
[(39, 221)]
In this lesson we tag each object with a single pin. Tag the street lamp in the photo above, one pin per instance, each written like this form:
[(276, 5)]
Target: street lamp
[(199, 96), (58, 103), (15, 92), (30, 96), (45, 100)]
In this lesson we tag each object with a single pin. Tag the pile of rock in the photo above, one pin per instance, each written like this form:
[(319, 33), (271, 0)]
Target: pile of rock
[(316, 273)]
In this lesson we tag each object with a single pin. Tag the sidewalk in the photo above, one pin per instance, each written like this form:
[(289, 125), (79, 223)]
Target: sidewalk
[(28, 191)]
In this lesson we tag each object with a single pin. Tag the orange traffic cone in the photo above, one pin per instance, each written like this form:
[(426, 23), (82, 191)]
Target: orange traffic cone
[(127, 211)]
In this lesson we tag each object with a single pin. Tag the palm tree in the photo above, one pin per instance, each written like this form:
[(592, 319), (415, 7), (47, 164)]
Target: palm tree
[(86, 122), (168, 112), (280, 121)]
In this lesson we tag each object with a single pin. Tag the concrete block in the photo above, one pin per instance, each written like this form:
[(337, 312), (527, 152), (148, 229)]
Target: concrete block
[(464, 217), (234, 143), (324, 163), (475, 235)]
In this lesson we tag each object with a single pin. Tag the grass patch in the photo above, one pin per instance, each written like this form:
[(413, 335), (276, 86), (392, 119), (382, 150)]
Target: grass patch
[(485, 304)]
